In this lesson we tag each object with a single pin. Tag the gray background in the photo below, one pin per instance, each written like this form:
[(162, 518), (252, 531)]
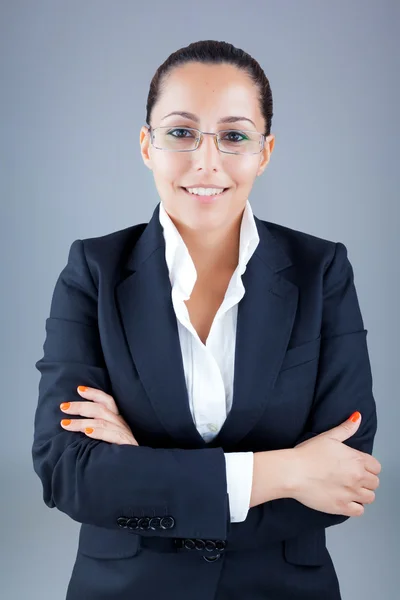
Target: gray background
[(74, 83)]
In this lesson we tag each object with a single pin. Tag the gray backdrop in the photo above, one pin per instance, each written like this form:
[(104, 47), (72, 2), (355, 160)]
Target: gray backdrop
[(74, 81)]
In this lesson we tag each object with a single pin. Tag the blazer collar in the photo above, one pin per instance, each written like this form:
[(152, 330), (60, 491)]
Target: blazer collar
[(265, 319)]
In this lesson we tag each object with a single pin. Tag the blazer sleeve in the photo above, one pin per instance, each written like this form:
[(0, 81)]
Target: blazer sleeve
[(344, 385), (94, 481)]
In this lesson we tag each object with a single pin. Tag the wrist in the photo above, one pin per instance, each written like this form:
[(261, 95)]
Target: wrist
[(274, 475), (291, 472)]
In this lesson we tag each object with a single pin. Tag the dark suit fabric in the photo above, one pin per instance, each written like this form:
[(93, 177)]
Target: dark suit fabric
[(301, 367)]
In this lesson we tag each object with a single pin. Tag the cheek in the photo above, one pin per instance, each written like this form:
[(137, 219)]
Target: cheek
[(244, 171), (168, 169)]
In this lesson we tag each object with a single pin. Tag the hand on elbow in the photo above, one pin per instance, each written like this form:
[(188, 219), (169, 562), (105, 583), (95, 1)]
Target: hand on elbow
[(331, 476), (103, 420)]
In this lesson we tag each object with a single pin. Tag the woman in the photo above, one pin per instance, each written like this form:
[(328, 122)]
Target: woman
[(220, 357)]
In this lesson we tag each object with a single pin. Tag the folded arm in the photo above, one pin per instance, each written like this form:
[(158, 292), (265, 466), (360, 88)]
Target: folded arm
[(344, 385), (96, 482)]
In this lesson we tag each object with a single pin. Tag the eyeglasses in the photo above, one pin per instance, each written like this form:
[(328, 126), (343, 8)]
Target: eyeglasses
[(188, 139)]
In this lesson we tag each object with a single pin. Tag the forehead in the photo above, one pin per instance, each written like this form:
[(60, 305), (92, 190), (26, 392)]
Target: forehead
[(210, 91)]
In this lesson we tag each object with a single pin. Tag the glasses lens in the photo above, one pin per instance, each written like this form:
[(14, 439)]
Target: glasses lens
[(239, 142), (178, 139)]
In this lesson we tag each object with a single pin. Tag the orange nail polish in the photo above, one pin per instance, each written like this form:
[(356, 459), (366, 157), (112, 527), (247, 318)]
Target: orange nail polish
[(82, 388), (65, 405), (66, 421), (89, 430), (355, 416)]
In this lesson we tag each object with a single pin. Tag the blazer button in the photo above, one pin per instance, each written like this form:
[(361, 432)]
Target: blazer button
[(122, 521), (220, 545), (210, 545), (200, 544), (133, 523), (189, 544), (212, 558), (144, 523), (167, 523), (155, 523)]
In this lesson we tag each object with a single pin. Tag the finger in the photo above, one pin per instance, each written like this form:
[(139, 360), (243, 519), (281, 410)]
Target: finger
[(78, 424), (89, 409), (370, 481), (372, 465), (366, 496), (100, 430), (99, 424), (354, 509), (113, 436), (98, 396)]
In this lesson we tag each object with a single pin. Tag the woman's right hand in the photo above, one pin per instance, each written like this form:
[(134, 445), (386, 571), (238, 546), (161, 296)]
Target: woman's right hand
[(331, 476)]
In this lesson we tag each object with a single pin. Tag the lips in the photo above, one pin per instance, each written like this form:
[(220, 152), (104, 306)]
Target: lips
[(206, 199), (223, 191)]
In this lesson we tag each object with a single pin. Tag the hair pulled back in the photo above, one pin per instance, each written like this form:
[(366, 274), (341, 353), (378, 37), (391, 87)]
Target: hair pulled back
[(213, 52)]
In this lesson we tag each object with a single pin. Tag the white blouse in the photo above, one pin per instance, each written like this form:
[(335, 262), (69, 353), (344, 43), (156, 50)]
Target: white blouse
[(209, 368)]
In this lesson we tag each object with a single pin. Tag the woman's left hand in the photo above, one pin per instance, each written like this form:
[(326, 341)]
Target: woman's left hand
[(104, 421)]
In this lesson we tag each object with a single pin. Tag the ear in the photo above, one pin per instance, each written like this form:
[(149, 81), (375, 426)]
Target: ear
[(145, 145), (266, 153)]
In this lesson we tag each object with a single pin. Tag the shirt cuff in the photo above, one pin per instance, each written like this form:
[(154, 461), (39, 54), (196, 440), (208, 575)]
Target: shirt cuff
[(239, 478)]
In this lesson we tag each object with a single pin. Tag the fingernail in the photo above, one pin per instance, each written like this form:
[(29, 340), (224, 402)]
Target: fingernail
[(65, 405), (82, 388), (89, 430), (65, 421), (355, 416)]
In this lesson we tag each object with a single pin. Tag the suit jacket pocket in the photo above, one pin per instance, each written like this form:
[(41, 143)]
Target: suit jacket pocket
[(308, 548), (100, 542), (301, 354)]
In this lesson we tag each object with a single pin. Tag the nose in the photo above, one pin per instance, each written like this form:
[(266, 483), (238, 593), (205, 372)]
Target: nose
[(207, 155)]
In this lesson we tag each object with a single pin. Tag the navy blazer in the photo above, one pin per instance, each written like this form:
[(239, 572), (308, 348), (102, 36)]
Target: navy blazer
[(152, 513)]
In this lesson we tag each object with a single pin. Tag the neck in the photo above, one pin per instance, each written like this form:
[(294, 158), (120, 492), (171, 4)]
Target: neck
[(212, 251)]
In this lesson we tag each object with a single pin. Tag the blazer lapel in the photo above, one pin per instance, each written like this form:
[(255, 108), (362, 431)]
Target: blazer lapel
[(265, 320), (264, 324)]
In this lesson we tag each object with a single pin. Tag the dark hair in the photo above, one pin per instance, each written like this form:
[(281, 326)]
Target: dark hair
[(213, 52)]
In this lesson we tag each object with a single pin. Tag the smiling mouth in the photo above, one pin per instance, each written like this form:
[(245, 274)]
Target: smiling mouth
[(205, 195)]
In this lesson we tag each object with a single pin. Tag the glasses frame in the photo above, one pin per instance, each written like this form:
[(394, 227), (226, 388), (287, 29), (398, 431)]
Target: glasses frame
[(151, 131)]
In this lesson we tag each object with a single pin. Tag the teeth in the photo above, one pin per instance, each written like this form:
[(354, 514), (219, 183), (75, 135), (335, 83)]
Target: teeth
[(204, 191)]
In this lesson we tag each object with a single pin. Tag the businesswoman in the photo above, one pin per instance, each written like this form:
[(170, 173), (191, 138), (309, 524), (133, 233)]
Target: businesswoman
[(205, 404)]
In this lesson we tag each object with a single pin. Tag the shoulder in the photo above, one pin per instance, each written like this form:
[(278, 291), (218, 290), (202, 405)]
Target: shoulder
[(295, 240), (303, 247), (106, 254), (114, 242)]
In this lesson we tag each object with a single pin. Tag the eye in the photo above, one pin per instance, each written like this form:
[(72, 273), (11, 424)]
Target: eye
[(180, 129), (230, 136)]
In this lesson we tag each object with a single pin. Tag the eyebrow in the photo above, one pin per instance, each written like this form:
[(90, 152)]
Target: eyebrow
[(193, 117)]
